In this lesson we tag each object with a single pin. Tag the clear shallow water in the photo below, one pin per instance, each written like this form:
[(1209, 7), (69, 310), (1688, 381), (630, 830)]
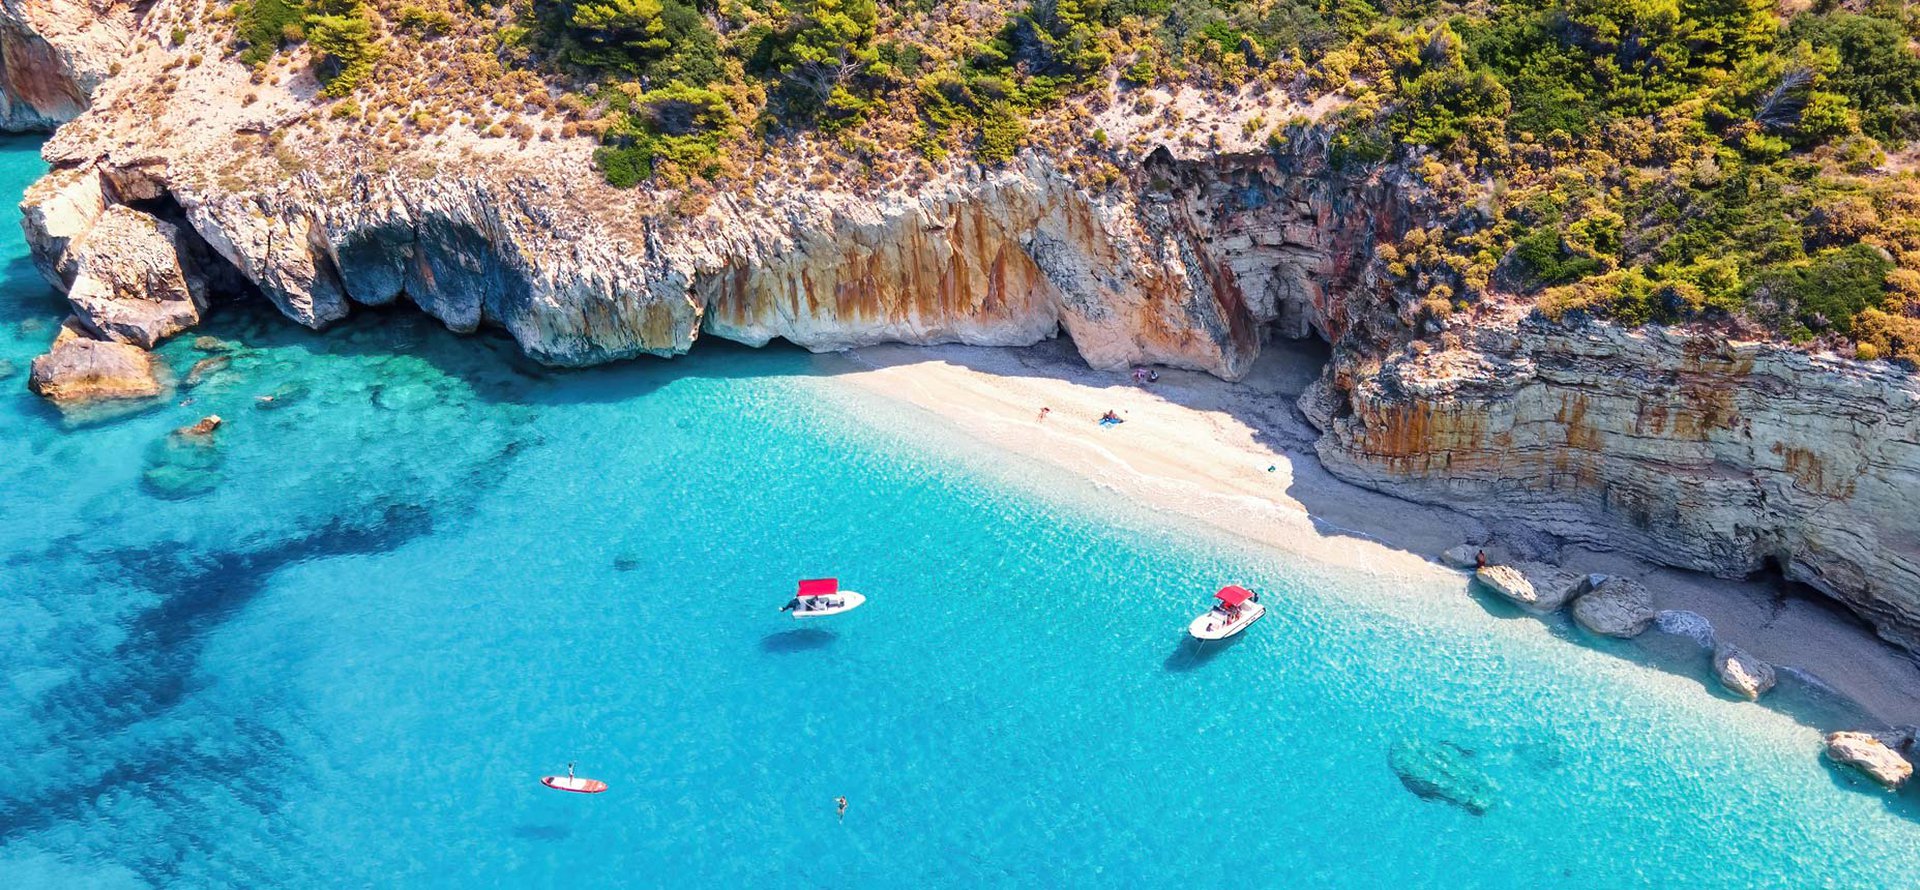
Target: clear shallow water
[(339, 651)]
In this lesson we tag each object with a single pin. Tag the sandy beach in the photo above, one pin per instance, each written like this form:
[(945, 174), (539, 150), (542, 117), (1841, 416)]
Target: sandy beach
[(1239, 457)]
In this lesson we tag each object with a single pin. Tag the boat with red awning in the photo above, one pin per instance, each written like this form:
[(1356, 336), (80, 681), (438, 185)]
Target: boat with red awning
[(819, 597), (1237, 608)]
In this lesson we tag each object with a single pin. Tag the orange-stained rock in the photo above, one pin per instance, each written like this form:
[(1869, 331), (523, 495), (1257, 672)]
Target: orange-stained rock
[(1684, 448)]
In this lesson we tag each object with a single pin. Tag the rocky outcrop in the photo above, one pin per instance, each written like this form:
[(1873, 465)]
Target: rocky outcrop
[(80, 370), (1740, 672), (1616, 608), (1188, 264), (1868, 754), (1685, 448), (1535, 587), (128, 284), (53, 53)]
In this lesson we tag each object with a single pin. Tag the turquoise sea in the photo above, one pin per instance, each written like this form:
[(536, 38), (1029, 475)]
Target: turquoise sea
[(340, 648)]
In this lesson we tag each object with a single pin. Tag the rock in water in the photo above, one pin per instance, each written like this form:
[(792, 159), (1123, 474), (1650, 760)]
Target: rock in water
[(207, 367), (185, 464), (1740, 672), (1535, 587), (128, 284), (7, 369), (1868, 754), (285, 395), (79, 370), (1443, 771), (210, 343), (1616, 608)]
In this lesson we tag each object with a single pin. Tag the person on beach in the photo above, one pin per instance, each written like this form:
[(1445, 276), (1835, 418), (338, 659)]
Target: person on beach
[(840, 808), (1480, 559), (1044, 411), (1109, 417)]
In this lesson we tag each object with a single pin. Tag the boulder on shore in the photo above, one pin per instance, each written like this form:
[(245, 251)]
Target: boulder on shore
[(1868, 754), (1616, 608), (1465, 556), (1532, 586), (1740, 672), (79, 370)]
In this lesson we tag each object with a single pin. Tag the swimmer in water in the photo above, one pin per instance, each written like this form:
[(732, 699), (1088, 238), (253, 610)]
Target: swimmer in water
[(840, 808)]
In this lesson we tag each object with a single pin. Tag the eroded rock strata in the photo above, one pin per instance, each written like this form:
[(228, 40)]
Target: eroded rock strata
[(1684, 447)]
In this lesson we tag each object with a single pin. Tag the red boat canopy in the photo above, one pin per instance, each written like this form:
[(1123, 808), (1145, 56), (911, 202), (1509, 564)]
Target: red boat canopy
[(819, 587), (1233, 595)]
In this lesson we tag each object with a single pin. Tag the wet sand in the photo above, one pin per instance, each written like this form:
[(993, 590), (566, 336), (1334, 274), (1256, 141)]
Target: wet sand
[(1239, 457)]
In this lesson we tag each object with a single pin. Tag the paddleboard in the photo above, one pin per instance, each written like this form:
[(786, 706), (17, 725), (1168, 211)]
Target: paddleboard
[(574, 784)]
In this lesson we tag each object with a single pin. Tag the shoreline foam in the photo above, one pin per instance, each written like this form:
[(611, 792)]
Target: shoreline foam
[(1201, 448)]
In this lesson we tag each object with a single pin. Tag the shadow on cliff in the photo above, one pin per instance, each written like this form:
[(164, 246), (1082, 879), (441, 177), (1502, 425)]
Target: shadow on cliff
[(491, 363)]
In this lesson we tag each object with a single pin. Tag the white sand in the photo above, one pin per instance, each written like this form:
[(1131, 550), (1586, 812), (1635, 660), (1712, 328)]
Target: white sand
[(1239, 457)]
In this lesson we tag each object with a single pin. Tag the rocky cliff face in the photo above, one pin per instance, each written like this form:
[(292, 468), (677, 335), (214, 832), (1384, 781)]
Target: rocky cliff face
[(1686, 448), (1188, 265), (53, 53)]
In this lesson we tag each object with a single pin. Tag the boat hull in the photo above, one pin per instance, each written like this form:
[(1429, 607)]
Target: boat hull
[(848, 602), (1214, 626)]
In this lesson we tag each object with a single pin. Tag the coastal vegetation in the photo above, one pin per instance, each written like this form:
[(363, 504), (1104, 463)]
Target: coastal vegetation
[(1675, 161)]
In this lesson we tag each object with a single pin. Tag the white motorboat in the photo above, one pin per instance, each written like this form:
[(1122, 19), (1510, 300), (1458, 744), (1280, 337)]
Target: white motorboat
[(820, 597), (1237, 608)]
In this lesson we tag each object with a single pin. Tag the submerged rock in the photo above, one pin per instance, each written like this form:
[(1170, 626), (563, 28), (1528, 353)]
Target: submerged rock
[(1535, 587), (185, 464), (207, 367), (1616, 608), (210, 343), (80, 370), (7, 369), (1868, 754), (286, 395), (1445, 772), (1740, 672)]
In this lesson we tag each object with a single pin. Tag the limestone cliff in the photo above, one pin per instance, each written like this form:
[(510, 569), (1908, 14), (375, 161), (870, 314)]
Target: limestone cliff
[(1685, 447), (53, 53), (1187, 264)]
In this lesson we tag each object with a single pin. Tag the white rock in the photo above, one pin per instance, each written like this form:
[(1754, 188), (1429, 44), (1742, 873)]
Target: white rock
[(1616, 608), (1536, 587), (1740, 672), (1869, 755)]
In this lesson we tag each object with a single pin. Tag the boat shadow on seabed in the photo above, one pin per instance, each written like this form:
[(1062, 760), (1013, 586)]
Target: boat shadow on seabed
[(805, 639), (1190, 654)]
